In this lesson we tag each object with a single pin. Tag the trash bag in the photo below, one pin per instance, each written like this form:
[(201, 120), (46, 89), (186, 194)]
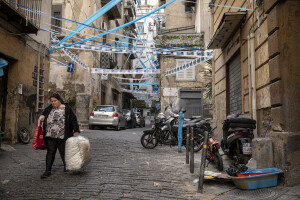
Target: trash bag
[(233, 171), (77, 152)]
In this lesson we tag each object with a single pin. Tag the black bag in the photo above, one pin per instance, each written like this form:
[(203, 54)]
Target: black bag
[(233, 171)]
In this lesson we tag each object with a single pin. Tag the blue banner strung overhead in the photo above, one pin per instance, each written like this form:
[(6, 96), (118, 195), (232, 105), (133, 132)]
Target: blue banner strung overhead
[(3, 63)]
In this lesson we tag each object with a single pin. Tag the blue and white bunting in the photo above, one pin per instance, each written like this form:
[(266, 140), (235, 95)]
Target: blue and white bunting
[(139, 91), (114, 71), (188, 65)]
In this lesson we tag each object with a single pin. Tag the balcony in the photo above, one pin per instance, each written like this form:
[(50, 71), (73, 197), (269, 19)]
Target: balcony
[(190, 3), (129, 8), (129, 19), (115, 12), (113, 61), (24, 20), (185, 36)]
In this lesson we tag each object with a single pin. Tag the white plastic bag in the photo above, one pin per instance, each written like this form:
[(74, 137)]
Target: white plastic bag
[(77, 153)]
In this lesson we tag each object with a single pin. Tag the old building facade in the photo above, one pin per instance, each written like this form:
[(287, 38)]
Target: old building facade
[(81, 88), (256, 72), (186, 87), (23, 86)]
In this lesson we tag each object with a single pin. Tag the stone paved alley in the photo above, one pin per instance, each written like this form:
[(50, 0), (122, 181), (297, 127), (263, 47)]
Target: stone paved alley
[(120, 169)]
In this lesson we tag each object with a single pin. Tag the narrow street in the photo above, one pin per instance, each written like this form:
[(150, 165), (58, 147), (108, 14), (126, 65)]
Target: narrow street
[(120, 169)]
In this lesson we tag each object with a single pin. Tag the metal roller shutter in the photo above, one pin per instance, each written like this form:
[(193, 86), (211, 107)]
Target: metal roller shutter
[(191, 100), (234, 84)]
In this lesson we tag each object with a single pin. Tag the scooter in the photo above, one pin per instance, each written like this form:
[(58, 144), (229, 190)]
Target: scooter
[(237, 138)]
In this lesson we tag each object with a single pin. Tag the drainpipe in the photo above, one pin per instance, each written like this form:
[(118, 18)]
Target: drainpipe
[(253, 80)]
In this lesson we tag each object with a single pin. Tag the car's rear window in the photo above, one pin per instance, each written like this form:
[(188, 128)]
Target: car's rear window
[(105, 108), (126, 112)]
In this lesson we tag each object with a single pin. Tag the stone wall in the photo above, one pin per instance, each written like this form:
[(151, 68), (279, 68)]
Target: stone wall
[(168, 62), (276, 73)]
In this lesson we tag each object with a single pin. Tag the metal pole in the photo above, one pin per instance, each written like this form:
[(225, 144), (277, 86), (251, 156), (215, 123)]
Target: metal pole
[(192, 151), (203, 159), (187, 145)]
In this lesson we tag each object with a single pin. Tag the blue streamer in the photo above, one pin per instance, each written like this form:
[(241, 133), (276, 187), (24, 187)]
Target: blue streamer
[(90, 20), (135, 42), (122, 26), (139, 4), (61, 18), (3, 63), (144, 66)]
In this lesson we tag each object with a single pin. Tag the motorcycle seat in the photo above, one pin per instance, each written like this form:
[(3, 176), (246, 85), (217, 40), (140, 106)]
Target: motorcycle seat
[(195, 120), (234, 130), (175, 127), (201, 123), (191, 124)]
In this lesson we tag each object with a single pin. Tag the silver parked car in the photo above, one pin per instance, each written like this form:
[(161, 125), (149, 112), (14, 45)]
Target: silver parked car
[(107, 116)]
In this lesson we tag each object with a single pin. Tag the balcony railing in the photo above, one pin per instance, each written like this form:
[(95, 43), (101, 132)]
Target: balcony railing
[(20, 12), (129, 5)]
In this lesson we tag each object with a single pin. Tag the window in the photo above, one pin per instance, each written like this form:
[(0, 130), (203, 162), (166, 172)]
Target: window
[(105, 108), (56, 23), (144, 2), (188, 9), (104, 39), (185, 75)]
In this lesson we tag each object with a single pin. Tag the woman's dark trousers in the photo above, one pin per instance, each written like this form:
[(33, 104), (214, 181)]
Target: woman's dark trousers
[(52, 145)]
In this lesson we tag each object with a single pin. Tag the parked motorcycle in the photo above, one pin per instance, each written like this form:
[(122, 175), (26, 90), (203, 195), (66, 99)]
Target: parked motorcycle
[(212, 151), (152, 137), (165, 131), (237, 138)]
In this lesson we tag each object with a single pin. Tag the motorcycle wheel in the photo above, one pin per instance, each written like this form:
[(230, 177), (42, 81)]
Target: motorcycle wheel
[(24, 135), (149, 140), (198, 143), (218, 161)]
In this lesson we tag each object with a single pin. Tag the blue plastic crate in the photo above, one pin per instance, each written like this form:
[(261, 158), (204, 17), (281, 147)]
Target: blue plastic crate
[(258, 181)]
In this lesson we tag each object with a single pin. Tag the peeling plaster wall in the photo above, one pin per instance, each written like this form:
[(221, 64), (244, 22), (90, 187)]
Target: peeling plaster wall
[(22, 52), (177, 17), (194, 40)]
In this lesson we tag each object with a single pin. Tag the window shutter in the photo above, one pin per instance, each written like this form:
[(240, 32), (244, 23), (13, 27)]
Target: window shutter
[(188, 74)]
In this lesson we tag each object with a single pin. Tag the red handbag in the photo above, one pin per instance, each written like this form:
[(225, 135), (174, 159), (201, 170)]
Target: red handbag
[(38, 140)]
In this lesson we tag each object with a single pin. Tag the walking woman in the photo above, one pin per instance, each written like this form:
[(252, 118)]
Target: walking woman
[(60, 123)]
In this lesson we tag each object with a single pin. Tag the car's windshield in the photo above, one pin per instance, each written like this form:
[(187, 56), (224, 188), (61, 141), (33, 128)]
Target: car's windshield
[(105, 108)]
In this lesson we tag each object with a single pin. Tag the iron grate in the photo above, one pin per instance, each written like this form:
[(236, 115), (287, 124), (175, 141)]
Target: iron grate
[(259, 194)]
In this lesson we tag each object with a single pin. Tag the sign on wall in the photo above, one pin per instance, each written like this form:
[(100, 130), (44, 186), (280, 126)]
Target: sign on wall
[(170, 92)]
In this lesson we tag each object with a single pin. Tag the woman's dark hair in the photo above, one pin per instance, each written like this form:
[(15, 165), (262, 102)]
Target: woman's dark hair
[(57, 96)]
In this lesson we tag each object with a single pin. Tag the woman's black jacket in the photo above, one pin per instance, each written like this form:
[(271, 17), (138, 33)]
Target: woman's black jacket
[(71, 124)]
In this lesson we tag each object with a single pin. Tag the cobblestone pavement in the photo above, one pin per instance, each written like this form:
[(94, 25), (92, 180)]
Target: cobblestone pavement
[(120, 169)]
